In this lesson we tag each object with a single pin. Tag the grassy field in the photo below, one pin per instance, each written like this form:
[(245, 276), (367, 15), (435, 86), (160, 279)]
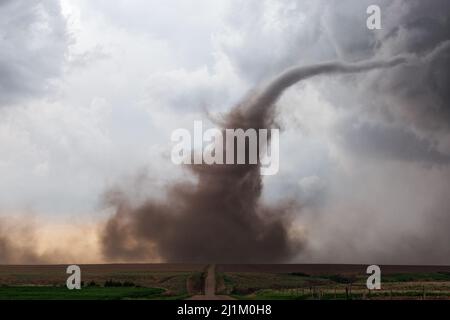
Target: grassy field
[(90, 293), (103, 282), (291, 287), (248, 282)]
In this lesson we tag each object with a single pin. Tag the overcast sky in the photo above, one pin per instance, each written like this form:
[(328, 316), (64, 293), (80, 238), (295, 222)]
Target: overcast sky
[(90, 92)]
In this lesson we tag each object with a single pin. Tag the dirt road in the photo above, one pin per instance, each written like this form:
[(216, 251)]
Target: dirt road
[(210, 287)]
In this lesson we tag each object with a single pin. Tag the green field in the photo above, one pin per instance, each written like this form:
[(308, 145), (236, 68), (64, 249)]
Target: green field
[(246, 282), (90, 293), (298, 286), (102, 282)]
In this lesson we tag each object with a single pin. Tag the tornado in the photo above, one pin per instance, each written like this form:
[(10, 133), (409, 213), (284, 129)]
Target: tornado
[(220, 217)]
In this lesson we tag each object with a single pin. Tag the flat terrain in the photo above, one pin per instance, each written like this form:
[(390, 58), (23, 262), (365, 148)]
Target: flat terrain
[(225, 281), (90, 293), (319, 269), (116, 281), (313, 281)]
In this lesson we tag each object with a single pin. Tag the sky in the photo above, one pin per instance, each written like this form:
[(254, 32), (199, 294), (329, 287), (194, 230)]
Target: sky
[(90, 92)]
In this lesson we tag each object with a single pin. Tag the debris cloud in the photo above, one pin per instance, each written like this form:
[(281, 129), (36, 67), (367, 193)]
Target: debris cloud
[(219, 218)]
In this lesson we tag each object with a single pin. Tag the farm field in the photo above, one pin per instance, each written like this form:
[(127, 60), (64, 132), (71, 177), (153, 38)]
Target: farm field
[(89, 293), (246, 282), (117, 281), (303, 282)]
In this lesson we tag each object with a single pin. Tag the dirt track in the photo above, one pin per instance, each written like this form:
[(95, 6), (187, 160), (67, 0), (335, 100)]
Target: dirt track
[(210, 287)]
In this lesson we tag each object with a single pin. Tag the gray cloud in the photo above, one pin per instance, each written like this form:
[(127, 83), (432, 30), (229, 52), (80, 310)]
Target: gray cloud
[(415, 95), (389, 142), (309, 31), (402, 115), (33, 42)]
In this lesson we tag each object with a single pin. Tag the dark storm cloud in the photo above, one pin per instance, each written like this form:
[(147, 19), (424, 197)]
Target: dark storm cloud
[(421, 93), (424, 24), (416, 95), (378, 141), (314, 31), (413, 96), (402, 114), (33, 44)]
